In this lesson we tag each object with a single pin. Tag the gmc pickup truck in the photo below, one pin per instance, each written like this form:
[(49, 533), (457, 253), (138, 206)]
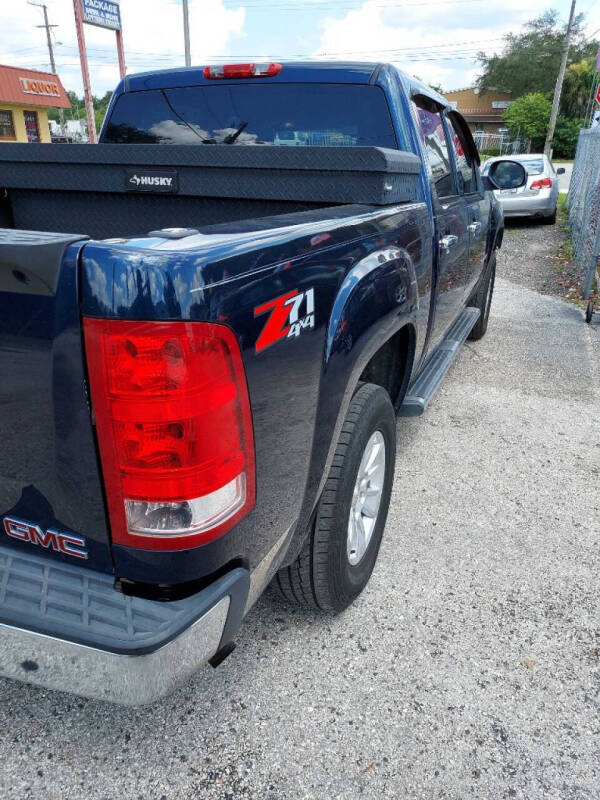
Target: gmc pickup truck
[(203, 350)]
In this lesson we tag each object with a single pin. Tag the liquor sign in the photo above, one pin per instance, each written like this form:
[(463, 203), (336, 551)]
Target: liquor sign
[(45, 88), (103, 13)]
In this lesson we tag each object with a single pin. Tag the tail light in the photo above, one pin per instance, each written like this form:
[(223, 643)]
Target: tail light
[(544, 183), (174, 430), (242, 70)]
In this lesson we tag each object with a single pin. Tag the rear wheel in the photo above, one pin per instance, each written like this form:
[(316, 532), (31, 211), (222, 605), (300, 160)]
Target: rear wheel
[(338, 557), (482, 299), (589, 312), (550, 220)]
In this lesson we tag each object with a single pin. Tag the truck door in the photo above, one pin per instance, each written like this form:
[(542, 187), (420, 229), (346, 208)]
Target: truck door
[(476, 199), (450, 221)]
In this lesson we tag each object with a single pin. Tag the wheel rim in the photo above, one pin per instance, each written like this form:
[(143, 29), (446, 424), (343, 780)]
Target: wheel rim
[(366, 498)]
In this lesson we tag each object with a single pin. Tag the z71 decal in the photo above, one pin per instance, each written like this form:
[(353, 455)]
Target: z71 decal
[(289, 315)]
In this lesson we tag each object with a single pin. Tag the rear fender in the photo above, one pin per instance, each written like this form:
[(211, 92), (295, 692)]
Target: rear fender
[(377, 298)]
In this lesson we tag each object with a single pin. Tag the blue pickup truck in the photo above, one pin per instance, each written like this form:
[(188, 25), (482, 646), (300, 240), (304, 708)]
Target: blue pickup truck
[(204, 348)]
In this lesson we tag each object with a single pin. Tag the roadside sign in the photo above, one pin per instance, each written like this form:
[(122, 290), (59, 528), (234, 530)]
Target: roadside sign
[(103, 13)]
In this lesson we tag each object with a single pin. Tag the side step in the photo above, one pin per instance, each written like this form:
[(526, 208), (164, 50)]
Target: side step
[(437, 365)]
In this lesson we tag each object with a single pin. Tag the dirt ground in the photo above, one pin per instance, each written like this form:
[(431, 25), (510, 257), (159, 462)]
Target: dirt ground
[(539, 257)]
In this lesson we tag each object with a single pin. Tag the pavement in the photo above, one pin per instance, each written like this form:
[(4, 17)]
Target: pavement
[(470, 666), (565, 179)]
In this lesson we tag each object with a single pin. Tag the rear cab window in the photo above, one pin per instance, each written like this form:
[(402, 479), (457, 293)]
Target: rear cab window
[(285, 115)]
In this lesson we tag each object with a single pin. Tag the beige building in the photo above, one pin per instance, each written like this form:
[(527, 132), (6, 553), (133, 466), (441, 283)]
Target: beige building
[(25, 97), (482, 110)]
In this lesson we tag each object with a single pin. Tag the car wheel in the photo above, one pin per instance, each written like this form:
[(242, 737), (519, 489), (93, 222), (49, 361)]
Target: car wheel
[(589, 312), (339, 555), (482, 299), (551, 219)]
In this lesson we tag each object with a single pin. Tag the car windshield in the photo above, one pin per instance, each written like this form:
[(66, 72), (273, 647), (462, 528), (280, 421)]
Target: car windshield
[(288, 115)]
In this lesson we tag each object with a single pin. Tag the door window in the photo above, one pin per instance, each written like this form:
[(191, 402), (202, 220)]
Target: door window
[(467, 177), (7, 125), (435, 144), (31, 126)]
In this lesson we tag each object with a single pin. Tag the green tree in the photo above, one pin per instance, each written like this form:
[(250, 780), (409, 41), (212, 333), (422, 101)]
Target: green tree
[(100, 106), (531, 58), (529, 116), (580, 80)]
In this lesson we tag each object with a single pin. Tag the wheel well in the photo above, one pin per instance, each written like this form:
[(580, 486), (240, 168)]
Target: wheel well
[(390, 366)]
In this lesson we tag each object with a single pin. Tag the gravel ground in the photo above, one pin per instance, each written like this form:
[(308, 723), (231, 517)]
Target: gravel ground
[(539, 257), (469, 668)]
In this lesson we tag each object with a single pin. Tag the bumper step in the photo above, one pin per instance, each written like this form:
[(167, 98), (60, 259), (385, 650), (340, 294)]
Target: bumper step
[(67, 628), (437, 365)]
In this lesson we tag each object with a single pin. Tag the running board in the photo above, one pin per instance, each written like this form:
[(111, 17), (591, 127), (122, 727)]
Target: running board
[(437, 365)]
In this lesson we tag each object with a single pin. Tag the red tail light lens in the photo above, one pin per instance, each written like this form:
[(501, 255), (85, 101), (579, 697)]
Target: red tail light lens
[(242, 70), (174, 430), (544, 183)]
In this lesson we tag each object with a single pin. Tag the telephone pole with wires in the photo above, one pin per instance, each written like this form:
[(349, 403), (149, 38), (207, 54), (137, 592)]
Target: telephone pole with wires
[(559, 84), (48, 27)]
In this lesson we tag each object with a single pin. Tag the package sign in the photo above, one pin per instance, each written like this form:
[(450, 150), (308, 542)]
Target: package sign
[(104, 13)]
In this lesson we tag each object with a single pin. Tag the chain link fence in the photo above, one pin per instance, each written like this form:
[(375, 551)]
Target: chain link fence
[(584, 206)]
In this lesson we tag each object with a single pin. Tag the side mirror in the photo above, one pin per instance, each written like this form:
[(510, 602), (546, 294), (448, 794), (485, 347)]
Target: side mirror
[(560, 171), (505, 175)]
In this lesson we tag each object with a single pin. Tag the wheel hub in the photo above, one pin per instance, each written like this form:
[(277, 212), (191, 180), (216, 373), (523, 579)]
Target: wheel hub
[(366, 498)]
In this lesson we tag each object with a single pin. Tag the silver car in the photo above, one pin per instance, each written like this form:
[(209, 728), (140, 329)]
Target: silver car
[(539, 196)]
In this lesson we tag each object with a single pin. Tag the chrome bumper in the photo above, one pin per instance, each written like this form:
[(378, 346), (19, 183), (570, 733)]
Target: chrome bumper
[(541, 204), (68, 629), (119, 678)]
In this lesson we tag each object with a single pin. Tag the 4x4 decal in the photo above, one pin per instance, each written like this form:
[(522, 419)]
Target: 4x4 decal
[(284, 320)]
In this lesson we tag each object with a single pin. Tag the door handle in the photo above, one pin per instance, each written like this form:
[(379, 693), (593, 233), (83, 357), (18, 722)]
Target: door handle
[(448, 241), (475, 227)]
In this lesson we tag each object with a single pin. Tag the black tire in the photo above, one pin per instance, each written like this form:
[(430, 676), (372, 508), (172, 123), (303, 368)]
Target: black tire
[(589, 312), (482, 299), (551, 220), (322, 576)]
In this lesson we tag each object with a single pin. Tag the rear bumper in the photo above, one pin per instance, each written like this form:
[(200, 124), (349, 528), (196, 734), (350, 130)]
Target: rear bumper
[(68, 629), (540, 205)]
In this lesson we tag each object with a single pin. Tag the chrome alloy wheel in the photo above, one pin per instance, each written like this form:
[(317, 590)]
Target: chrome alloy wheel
[(366, 498)]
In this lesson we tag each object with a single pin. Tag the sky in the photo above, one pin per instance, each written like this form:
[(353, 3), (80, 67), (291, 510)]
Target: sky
[(436, 40)]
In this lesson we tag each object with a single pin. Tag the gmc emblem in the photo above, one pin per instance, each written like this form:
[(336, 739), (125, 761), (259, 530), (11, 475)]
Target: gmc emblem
[(68, 543)]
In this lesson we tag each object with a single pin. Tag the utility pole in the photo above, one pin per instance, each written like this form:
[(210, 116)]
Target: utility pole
[(186, 33), (47, 26), (559, 83)]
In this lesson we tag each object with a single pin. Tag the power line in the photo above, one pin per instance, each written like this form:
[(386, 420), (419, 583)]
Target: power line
[(329, 6)]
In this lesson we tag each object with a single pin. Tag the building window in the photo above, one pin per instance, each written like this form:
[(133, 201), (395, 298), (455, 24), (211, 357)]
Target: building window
[(31, 126), (7, 125)]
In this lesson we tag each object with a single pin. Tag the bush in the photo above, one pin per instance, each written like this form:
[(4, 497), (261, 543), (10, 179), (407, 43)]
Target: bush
[(565, 138), (529, 116), (489, 152)]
